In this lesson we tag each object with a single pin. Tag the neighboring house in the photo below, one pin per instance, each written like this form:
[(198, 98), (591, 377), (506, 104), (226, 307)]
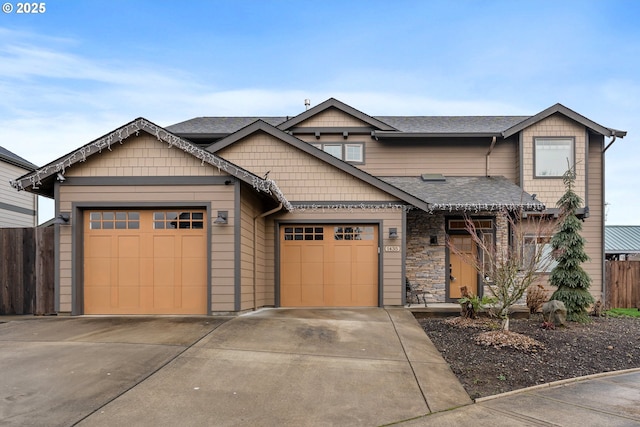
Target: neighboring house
[(16, 209), (329, 208), (622, 242)]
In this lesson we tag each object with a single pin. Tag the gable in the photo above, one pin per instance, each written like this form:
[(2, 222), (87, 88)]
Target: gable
[(143, 155), (332, 117), (334, 104), (568, 113), (42, 180), (301, 176)]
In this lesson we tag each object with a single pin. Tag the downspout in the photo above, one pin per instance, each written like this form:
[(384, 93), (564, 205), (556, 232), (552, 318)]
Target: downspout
[(613, 139), (604, 213), (488, 162), (255, 249)]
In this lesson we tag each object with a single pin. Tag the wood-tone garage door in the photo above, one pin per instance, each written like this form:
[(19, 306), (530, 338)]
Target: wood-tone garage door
[(329, 266), (145, 262)]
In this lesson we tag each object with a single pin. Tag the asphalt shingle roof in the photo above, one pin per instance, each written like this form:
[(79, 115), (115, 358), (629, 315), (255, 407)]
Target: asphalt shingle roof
[(622, 239), (221, 125), (409, 124), (452, 124), (13, 158), (466, 193)]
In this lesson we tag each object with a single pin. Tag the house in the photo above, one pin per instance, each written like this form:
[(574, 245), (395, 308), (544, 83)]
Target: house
[(16, 209), (328, 208), (622, 242)]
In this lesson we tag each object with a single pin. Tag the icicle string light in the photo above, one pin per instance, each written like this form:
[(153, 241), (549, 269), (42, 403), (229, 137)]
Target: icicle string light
[(373, 207), (486, 207), (122, 134)]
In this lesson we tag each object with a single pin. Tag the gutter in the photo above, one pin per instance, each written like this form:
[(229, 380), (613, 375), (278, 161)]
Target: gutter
[(255, 265)]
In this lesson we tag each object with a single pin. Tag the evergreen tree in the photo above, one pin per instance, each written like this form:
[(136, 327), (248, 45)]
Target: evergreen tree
[(568, 250)]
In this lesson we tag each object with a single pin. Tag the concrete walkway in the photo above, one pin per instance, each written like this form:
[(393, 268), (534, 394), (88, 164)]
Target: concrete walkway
[(273, 367), (324, 367)]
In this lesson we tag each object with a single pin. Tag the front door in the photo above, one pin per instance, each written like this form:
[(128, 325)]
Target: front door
[(462, 273)]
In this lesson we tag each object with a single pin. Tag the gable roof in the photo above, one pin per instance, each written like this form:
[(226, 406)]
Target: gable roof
[(334, 103), (47, 174), (391, 127), (622, 239), (467, 193), (260, 126), (12, 158), (559, 108)]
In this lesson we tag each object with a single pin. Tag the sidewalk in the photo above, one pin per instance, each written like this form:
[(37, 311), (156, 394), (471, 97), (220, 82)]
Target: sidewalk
[(611, 399)]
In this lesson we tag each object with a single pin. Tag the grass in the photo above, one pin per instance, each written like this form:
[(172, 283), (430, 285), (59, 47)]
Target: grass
[(623, 312)]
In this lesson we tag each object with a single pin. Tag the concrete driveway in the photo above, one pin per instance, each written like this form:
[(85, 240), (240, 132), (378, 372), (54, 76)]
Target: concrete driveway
[(273, 367)]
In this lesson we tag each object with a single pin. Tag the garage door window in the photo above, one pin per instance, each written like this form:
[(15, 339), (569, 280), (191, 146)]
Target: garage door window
[(183, 220), (353, 233), (108, 220), (303, 233)]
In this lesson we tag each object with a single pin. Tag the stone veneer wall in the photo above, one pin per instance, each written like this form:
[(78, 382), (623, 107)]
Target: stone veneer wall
[(425, 264)]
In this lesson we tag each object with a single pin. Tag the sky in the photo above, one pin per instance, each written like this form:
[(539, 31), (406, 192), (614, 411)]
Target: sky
[(80, 69)]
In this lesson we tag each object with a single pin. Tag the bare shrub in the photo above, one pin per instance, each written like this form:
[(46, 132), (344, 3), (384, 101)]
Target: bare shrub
[(536, 296)]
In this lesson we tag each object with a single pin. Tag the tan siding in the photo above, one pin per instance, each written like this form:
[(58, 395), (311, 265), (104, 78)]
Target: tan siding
[(143, 155), (20, 199), (300, 176), (250, 208), (453, 157), (592, 226), (222, 253), (392, 280), (332, 117), (549, 190)]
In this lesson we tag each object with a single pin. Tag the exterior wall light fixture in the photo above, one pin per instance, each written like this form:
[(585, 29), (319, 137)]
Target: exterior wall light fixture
[(63, 218), (222, 218)]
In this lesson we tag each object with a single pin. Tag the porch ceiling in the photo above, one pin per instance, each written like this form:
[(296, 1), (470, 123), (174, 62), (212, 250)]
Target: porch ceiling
[(465, 193)]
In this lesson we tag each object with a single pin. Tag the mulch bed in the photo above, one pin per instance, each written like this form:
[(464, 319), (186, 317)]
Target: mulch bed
[(488, 362)]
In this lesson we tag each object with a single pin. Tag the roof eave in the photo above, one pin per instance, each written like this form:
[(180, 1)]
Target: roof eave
[(262, 126), (15, 162), (32, 181), (559, 108), (411, 135)]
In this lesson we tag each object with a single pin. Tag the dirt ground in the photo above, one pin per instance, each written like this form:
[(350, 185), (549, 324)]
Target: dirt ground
[(533, 355)]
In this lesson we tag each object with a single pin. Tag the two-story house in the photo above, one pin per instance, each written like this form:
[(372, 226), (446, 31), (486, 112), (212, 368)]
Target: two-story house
[(16, 209), (328, 208)]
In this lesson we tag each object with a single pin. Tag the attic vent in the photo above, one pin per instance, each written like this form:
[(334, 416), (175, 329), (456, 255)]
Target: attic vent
[(433, 177)]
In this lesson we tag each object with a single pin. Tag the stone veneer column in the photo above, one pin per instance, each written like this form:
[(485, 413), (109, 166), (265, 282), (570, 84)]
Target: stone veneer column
[(425, 264)]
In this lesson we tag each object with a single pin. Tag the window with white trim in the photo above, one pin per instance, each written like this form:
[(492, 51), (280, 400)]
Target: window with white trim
[(353, 153), (539, 246), (553, 156)]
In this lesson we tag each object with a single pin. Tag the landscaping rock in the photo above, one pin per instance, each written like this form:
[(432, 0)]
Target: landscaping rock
[(554, 312)]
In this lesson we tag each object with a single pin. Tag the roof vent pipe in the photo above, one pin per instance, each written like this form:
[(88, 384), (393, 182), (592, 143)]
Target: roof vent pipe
[(307, 103)]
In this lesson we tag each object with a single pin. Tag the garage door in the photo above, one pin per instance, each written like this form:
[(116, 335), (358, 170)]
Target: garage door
[(145, 262), (329, 266)]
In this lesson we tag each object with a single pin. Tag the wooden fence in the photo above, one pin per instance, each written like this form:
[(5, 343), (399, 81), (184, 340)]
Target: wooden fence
[(27, 271), (623, 284)]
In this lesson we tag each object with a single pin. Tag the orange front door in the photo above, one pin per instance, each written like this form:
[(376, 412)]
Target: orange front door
[(462, 273), (145, 262), (329, 266)]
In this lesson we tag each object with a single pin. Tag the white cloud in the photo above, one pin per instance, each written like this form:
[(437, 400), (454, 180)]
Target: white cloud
[(55, 99)]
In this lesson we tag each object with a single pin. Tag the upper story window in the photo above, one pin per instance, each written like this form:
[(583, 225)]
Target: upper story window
[(352, 153), (553, 156)]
